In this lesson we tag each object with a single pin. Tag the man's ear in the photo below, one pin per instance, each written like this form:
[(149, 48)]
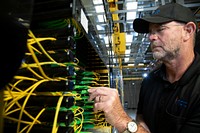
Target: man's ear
[(190, 29)]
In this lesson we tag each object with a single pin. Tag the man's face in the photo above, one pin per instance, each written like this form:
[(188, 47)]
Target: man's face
[(165, 40)]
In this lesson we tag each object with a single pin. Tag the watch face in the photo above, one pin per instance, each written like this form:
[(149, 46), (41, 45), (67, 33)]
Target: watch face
[(132, 126)]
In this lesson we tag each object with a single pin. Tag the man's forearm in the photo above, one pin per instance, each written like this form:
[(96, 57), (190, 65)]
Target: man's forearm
[(141, 128), (122, 125)]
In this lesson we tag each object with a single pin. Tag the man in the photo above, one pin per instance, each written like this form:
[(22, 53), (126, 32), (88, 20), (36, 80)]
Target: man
[(169, 99)]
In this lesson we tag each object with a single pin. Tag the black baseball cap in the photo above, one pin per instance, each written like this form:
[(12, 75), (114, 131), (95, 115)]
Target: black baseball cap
[(163, 14)]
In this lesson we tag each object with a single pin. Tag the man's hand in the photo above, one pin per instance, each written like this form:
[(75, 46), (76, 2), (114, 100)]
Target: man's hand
[(108, 101)]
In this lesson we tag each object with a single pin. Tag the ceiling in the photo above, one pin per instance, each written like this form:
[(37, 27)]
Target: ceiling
[(137, 59)]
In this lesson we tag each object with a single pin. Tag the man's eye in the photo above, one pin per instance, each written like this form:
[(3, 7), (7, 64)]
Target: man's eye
[(161, 29)]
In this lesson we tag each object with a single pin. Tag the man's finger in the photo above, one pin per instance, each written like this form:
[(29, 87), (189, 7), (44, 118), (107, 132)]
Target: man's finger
[(99, 106), (99, 90)]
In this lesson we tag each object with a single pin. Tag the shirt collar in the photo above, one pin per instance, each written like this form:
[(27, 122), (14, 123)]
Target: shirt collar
[(193, 69)]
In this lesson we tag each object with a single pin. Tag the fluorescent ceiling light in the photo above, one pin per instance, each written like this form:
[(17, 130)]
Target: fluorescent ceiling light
[(131, 6), (97, 2), (129, 38), (141, 64), (100, 18), (105, 39), (128, 44), (110, 66), (99, 27), (126, 59), (128, 51), (131, 15), (99, 9), (114, 60), (131, 64), (101, 36), (110, 52)]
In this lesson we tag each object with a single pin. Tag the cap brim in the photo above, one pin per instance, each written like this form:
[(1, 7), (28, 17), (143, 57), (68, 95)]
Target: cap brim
[(141, 25)]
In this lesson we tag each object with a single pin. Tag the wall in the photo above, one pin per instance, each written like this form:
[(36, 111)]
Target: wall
[(131, 93)]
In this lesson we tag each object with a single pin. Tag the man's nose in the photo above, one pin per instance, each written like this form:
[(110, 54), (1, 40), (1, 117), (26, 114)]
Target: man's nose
[(153, 36)]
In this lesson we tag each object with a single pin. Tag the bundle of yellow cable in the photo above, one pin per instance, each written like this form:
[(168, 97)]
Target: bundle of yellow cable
[(78, 119), (14, 94)]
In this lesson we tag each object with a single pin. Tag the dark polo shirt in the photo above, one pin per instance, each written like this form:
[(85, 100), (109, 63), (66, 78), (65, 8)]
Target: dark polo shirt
[(171, 107)]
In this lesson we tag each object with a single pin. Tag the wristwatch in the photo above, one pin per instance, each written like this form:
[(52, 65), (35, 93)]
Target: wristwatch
[(131, 127)]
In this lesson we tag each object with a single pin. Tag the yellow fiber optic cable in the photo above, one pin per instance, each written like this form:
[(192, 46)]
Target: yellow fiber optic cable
[(40, 64), (56, 113), (22, 94), (62, 78), (56, 130), (77, 60), (75, 24), (34, 49), (25, 101), (35, 119), (13, 86), (98, 120), (37, 62), (25, 78), (25, 112), (44, 63), (35, 57), (43, 50), (15, 98), (33, 40), (17, 120), (56, 94), (78, 128), (79, 31), (15, 110), (32, 71), (78, 112), (26, 127)]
